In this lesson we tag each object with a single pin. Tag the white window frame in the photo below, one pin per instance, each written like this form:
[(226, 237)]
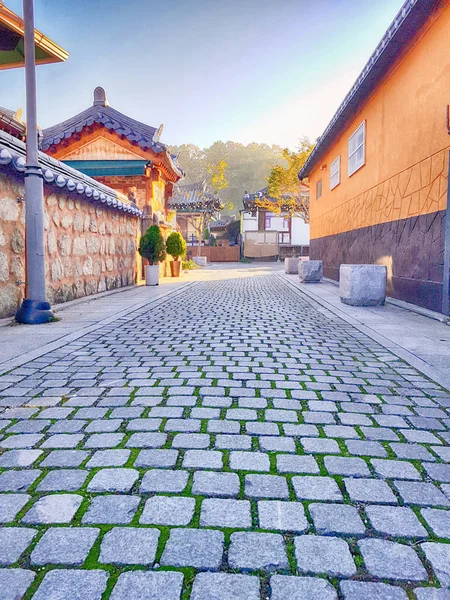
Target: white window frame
[(353, 149), (320, 181), (335, 172)]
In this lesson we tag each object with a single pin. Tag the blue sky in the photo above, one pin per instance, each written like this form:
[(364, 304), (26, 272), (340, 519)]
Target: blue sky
[(242, 70)]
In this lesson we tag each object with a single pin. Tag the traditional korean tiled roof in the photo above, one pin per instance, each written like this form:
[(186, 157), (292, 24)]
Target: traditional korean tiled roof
[(13, 156), (145, 136), (11, 122), (249, 199), (403, 28), (193, 197)]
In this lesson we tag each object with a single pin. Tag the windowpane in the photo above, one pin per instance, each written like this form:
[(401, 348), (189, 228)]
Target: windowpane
[(335, 173), (319, 189), (356, 149)]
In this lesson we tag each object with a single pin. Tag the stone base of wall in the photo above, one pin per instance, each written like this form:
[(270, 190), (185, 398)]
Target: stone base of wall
[(412, 250)]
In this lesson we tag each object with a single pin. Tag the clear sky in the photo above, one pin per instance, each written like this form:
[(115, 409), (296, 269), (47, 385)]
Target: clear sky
[(243, 70)]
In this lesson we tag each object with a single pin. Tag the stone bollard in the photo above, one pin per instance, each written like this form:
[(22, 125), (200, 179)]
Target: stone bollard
[(363, 285), (291, 265), (310, 271), (199, 260)]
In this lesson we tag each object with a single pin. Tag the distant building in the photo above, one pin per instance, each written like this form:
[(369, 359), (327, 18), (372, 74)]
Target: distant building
[(12, 123), (270, 235), (379, 173)]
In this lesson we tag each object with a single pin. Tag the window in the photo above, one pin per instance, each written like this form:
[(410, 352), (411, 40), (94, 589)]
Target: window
[(285, 222), (319, 189), (356, 149), (284, 238), (335, 173), (267, 221)]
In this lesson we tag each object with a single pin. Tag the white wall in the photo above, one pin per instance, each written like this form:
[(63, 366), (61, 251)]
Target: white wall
[(300, 232), (249, 223)]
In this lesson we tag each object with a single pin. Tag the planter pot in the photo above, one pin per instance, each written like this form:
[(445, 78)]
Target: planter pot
[(152, 275), (175, 268)]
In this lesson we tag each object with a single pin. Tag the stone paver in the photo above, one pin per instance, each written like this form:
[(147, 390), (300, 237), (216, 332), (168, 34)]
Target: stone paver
[(237, 430)]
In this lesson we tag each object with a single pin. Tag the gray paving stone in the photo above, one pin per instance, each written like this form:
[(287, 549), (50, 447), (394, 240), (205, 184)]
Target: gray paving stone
[(301, 430), (336, 519), (281, 416), (14, 583), (233, 442), (10, 505), (370, 490), (428, 593), (320, 446), (73, 426), (363, 448), (379, 433), (253, 551), (21, 440), (103, 426), (266, 486), (202, 459), (277, 444), (55, 508), (297, 464), (249, 461), (390, 560), (330, 555), (103, 440), (201, 549), (76, 584), (28, 426), (165, 510), (110, 509), (285, 587), (191, 440), (185, 425), (283, 516), (258, 428), (144, 585), (219, 512), (64, 545), (438, 521), (129, 546), (63, 480), (340, 431), (362, 590), (64, 458), (207, 483), (63, 440), (343, 465), (439, 556), (412, 451), (156, 458), (160, 480), (395, 469), (13, 543), (316, 488), (216, 426), (108, 458), (18, 481), (19, 458), (438, 472), (225, 586), (113, 480), (425, 494), (396, 521)]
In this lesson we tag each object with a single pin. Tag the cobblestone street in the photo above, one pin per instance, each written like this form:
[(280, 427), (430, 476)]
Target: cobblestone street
[(234, 442)]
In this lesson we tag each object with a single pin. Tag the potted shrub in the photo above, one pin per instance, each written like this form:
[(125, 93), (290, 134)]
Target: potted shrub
[(176, 247), (153, 248)]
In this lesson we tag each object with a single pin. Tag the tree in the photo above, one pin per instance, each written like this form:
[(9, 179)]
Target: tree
[(285, 193), (176, 245), (152, 245)]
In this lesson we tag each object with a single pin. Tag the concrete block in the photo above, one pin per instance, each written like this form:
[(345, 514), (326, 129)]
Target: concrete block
[(310, 271), (201, 261), (291, 265), (363, 285)]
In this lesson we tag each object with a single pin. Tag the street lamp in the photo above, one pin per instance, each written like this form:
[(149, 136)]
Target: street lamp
[(35, 308)]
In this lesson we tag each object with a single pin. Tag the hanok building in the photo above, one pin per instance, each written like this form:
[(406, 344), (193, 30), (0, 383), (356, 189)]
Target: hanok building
[(268, 235), (195, 206), (379, 172), (120, 152), (12, 123)]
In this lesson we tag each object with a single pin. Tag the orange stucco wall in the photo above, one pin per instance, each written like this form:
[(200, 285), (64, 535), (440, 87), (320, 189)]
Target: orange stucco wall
[(406, 166)]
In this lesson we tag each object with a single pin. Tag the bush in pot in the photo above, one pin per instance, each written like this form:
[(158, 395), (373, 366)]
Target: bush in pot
[(153, 248), (176, 247)]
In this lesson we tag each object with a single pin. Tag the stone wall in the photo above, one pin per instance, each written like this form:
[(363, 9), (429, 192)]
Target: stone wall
[(89, 248)]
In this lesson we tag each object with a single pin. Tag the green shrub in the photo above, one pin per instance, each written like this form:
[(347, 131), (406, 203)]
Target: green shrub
[(152, 246), (188, 265), (176, 245)]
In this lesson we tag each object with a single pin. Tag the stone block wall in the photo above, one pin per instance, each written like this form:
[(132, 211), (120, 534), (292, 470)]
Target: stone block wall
[(90, 248)]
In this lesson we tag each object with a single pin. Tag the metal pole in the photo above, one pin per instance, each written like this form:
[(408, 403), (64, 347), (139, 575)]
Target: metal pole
[(35, 308)]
